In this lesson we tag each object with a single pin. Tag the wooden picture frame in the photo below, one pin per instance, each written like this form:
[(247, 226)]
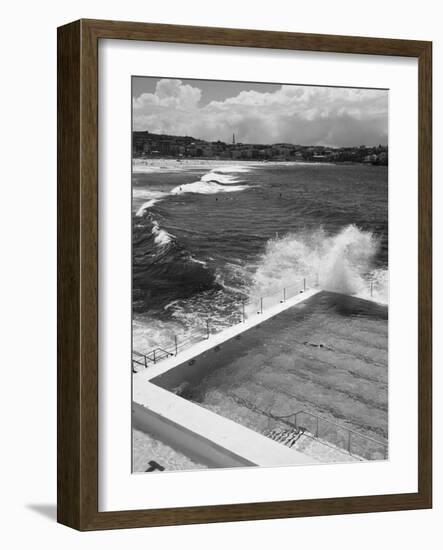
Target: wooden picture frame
[(78, 274)]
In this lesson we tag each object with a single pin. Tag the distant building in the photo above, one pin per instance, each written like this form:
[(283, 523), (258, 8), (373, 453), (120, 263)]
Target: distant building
[(145, 144), (370, 159), (319, 158)]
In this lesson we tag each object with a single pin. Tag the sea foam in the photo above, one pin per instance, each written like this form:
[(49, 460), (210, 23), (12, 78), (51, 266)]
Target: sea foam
[(161, 237), (343, 263), (215, 181), (152, 196)]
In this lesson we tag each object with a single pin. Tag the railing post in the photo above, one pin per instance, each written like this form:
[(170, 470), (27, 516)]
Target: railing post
[(176, 345), (349, 441), (316, 427), (153, 353), (145, 361)]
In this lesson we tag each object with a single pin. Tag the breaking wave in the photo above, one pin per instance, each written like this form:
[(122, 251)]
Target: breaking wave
[(344, 262), (153, 198), (163, 268), (218, 180), (215, 181), (161, 236), (189, 291), (237, 168)]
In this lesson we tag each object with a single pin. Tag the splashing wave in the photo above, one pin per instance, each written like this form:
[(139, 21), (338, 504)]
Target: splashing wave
[(343, 263)]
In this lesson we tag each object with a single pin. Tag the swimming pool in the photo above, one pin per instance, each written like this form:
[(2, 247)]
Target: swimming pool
[(325, 358)]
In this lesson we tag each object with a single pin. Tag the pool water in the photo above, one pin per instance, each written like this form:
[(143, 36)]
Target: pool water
[(327, 356)]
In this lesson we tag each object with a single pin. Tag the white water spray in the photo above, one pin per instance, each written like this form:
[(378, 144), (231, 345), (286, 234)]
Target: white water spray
[(341, 263)]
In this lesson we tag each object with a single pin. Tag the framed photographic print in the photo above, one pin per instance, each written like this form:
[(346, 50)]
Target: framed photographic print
[(244, 274)]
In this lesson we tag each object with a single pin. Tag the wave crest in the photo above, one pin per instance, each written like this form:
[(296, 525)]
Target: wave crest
[(161, 236), (344, 262), (215, 181)]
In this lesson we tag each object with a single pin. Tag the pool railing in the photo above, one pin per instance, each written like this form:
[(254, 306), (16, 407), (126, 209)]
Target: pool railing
[(249, 308)]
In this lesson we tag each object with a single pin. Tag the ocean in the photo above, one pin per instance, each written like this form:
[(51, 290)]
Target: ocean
[(209, 235)]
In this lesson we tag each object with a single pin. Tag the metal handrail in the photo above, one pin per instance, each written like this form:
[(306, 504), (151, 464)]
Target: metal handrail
[(331, 422), (153, 357)]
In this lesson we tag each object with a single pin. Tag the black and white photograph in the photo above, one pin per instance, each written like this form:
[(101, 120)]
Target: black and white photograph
[(260, 281), (218, 261)]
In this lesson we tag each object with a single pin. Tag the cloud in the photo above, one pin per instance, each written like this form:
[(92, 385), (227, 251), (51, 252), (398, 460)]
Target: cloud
[(295, 114)]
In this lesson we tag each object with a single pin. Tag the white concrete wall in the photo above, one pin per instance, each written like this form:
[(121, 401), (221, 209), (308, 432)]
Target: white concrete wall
[(205, 436), (193, 445)]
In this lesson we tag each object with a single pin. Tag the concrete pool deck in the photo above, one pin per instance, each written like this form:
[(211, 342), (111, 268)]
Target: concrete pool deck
[(320, 352), (206, 437)]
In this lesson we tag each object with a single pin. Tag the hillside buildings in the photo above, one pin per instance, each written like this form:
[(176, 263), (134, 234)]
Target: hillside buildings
[(149, 145)]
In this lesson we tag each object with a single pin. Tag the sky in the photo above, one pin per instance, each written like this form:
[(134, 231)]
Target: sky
[(261, 113)]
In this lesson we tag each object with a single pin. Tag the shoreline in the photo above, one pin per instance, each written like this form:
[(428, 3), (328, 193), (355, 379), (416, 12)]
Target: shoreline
[(147, 165), (154, 164)]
